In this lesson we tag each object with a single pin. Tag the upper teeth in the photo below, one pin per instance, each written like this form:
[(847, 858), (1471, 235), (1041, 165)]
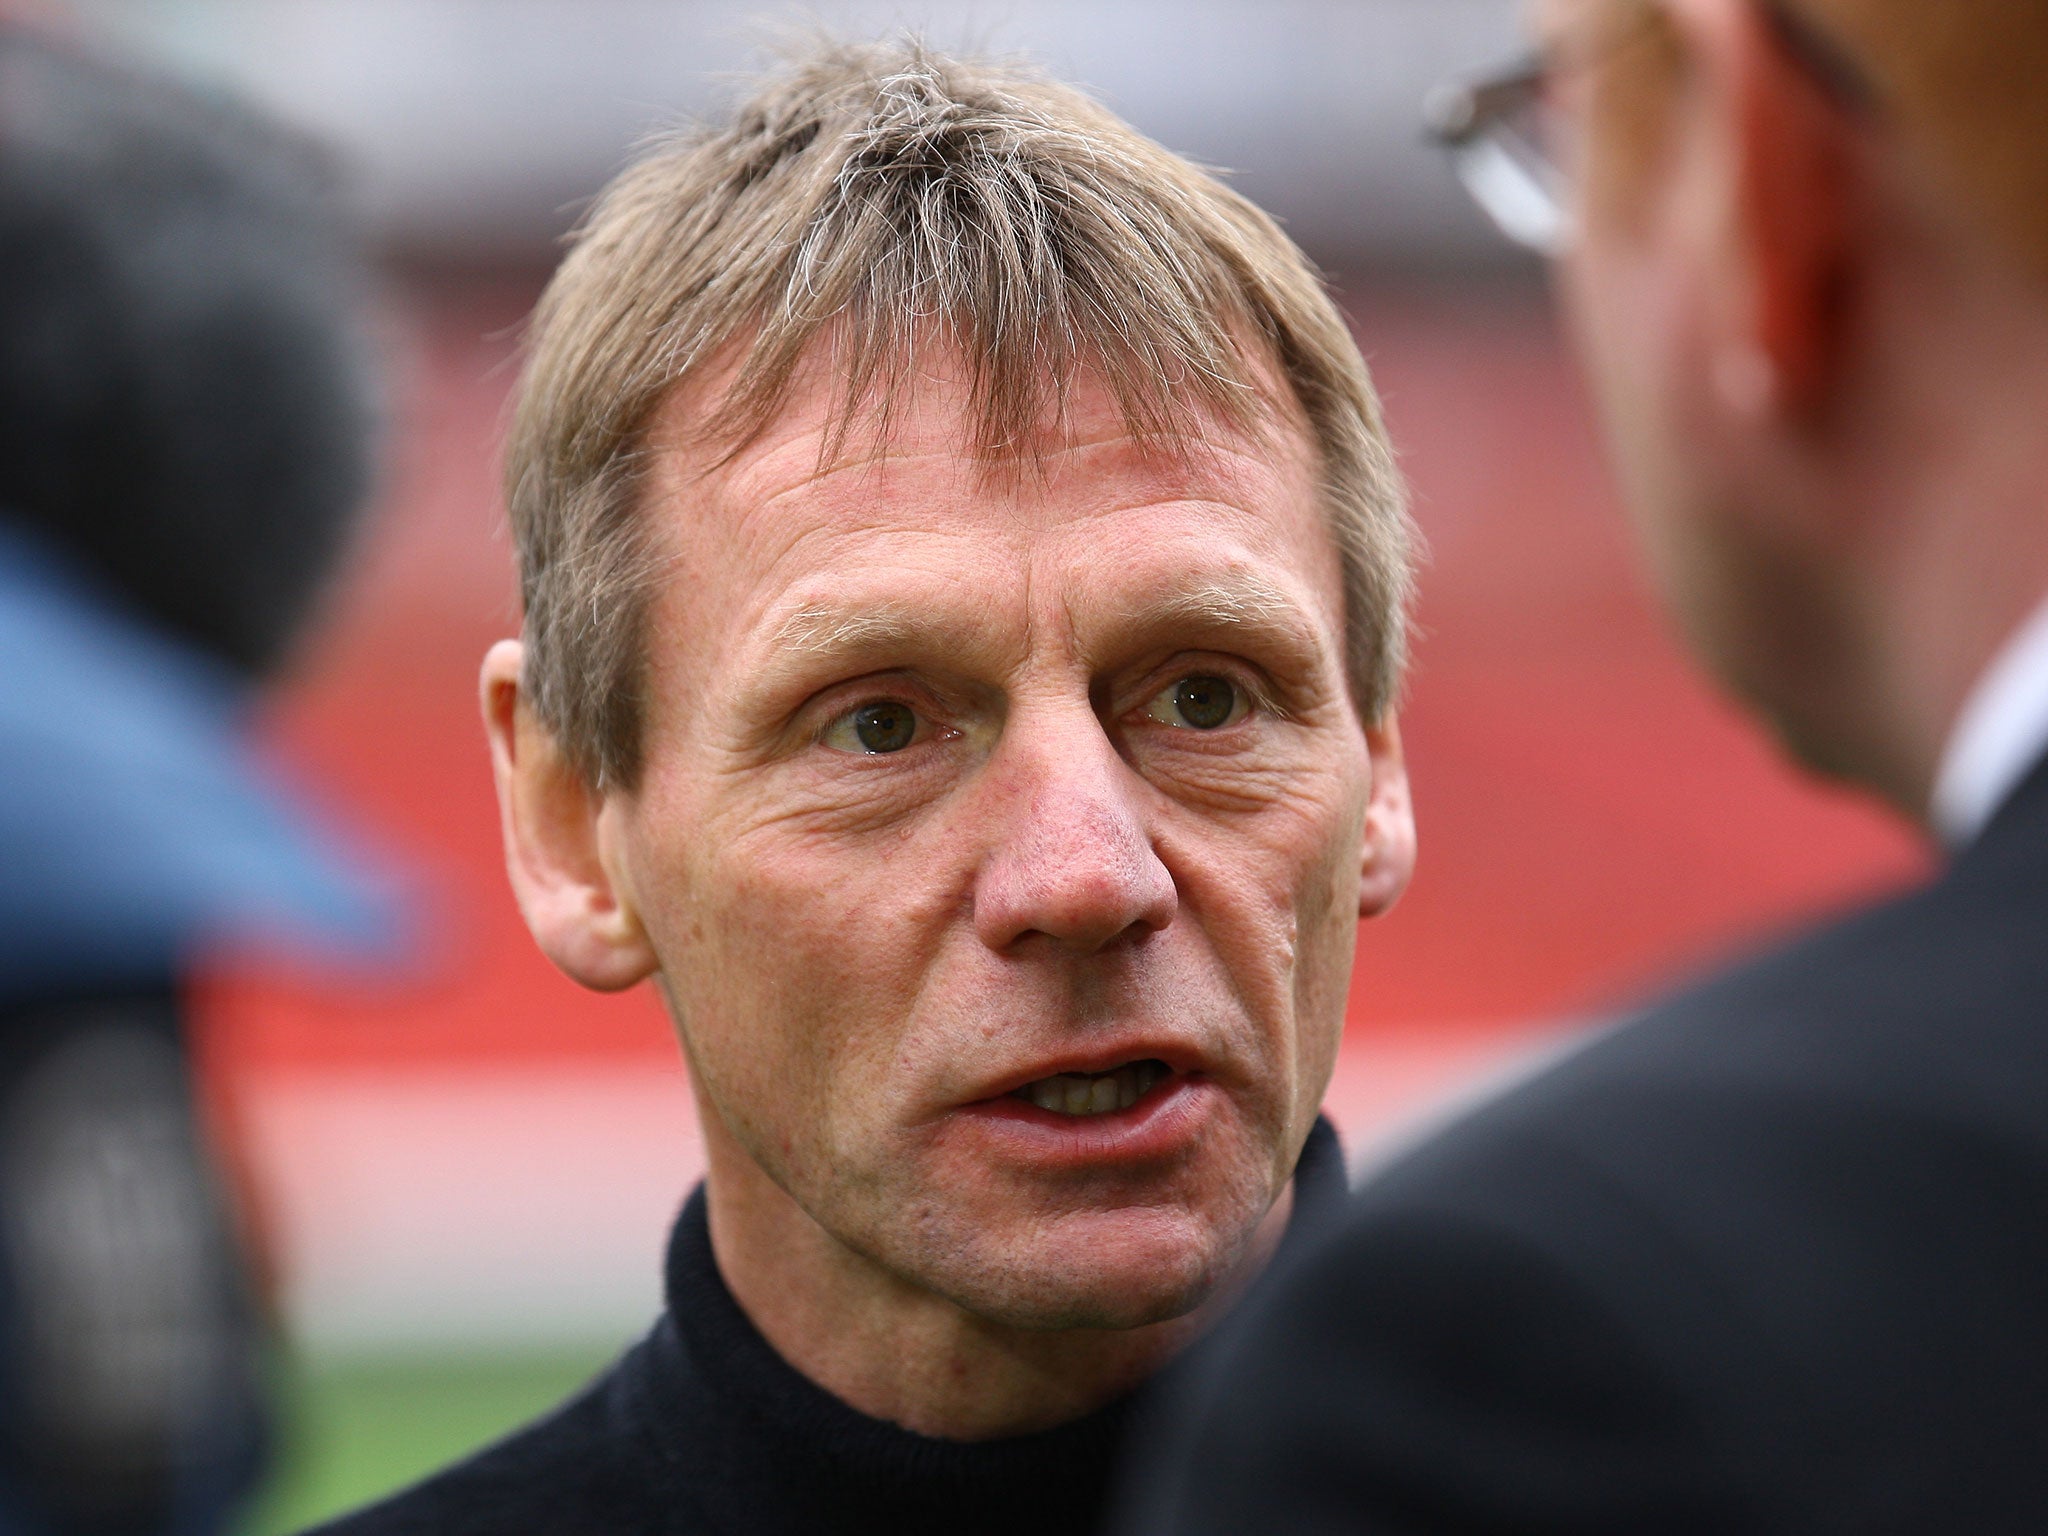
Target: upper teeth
[(1095, 1093)]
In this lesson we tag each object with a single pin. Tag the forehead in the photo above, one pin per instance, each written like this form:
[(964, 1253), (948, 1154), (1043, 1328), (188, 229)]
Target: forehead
[(807, 514)]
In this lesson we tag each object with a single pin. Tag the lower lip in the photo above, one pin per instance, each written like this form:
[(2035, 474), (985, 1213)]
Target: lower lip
[(1162, 1124)]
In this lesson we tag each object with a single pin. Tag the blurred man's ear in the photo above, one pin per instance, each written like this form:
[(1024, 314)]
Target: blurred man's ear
[(1783, 155), (1389, 824), (561, 845)]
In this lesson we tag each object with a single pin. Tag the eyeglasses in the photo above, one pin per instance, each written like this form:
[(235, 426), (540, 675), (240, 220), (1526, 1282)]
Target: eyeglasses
[(1500, 131), (1505, 136)]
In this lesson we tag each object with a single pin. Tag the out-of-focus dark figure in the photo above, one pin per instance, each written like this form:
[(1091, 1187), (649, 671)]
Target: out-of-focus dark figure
[(1774, 1257), (184, 424)]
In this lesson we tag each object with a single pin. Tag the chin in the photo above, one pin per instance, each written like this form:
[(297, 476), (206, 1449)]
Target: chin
[(1107, 1270)]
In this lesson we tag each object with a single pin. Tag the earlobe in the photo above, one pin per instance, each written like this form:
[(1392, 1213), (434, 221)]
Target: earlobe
[(562, 854), (1389, 856)]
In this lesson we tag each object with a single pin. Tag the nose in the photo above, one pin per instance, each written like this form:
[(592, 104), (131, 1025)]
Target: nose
[(1069, 856)]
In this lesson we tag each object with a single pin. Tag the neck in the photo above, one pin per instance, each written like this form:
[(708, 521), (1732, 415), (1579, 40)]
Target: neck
[(1947, 511), (1978, 579), (896, 1351)]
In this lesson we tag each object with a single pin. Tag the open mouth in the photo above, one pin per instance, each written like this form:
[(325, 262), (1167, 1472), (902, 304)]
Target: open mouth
[(1095, 1093)]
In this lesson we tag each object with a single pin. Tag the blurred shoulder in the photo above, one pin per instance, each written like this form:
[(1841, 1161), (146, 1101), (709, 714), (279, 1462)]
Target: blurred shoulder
[(1913, 1025)]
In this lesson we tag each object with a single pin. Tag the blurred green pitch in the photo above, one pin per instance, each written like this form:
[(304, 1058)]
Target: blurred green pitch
[(354, 1429)]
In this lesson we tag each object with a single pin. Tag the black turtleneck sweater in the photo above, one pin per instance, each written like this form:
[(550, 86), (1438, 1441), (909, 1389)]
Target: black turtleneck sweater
[(703, 1428)]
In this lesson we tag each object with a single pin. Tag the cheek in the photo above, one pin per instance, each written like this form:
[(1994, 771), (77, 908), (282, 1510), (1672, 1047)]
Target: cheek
[(1328, 939), (1633, 321), (1278, 894), (1602, 289), (792, 964)]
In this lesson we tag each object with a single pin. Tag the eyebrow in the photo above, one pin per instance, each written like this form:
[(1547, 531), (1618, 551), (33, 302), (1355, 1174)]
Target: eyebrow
[(820, 631), (1247, 601)]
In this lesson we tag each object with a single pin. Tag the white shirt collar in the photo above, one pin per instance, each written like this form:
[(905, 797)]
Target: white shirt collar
[(2000, 733)]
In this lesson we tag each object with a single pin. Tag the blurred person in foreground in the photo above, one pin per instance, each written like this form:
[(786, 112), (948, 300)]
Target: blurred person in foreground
[(183, 444), (1771, 1257), (964, 580)]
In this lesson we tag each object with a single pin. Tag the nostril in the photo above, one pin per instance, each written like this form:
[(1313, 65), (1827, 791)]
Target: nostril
[(1078, 892), (1069, 853)]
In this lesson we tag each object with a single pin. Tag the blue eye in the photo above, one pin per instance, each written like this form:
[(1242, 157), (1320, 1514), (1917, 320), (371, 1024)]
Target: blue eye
[(1202, 702), (887, 725)]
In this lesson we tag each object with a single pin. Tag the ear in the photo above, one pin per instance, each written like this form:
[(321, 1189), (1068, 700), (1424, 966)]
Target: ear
[(1389, 824), (1780, 225), (562, 847)]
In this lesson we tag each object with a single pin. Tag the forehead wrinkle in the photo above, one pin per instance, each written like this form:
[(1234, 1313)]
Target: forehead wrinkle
[(792, 465), (755, 489), (815, 412)]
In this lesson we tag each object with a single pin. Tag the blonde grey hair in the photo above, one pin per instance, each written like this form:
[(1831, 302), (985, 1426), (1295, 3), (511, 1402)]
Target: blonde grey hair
[(891, 198)]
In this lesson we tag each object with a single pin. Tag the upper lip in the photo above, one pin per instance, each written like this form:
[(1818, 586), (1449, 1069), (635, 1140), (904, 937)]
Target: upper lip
[(1180, 1058)]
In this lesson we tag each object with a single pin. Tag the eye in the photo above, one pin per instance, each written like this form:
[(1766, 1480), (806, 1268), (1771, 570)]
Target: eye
[(886, 725), (1202, 702)]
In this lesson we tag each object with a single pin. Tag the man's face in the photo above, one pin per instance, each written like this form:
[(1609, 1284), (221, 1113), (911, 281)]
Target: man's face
[(972, 800)]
